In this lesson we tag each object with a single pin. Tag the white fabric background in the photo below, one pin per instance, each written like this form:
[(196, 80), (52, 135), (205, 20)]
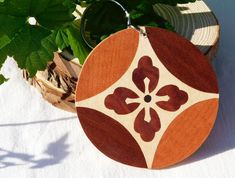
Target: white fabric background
[(38, 140)]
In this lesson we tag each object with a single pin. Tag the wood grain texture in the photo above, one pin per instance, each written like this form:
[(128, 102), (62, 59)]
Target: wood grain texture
[(194, 21), (146, 129), (118, 98), (183, 60), (177, 97), (108, 63), (186, 133), (152, 100), (119, 145), (56, 84)]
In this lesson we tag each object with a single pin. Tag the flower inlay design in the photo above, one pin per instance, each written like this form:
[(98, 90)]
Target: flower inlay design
[(125, 101)]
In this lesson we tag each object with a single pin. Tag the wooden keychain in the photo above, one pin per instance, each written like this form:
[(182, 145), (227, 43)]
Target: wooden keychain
[(146, 97)]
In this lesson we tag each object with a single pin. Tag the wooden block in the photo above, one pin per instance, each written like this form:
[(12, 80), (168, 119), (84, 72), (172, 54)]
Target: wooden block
[(148, 102), (194, 21)]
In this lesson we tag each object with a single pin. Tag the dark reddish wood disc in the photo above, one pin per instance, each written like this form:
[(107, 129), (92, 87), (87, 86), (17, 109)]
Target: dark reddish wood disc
[(147, 101)]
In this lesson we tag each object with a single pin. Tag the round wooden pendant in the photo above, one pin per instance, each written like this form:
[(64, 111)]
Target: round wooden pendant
[(147, 101)]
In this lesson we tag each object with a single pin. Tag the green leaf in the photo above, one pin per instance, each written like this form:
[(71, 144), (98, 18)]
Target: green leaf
[(2, 79), (70, 36), (3, 56), (78, 46), (38, 60), (26, 42), (14, 8), (10, 25), (33, 46), (145, 7), (4, 40), (61, 39), (55, 15), (44, 11), (136, 14)]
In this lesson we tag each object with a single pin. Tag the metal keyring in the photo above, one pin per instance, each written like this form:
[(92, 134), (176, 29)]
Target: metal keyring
[(129, 24)]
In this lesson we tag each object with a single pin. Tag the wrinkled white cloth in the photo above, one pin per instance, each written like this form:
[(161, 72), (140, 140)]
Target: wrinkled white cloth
[(38, 140)]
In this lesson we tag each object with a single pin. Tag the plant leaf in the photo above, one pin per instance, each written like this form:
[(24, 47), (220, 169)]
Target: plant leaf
[(3, 56), (2, 79), (27, 41), (61, 39), (33, 46), (44, 11), (4, 40), (78, 46), (70, 37), (38, 60), (56, 14)]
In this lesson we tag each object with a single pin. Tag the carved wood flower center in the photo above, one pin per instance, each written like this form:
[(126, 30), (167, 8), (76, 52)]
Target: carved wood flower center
[(146, 127), (147, 98)]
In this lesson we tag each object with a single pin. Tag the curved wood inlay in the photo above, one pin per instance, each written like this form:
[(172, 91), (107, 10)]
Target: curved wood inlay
[(186, 133), (183, 59), (150, 109), (112, 58), (111, 138)]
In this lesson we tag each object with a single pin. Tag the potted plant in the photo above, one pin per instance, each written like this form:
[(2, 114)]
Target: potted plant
[(44, 37)]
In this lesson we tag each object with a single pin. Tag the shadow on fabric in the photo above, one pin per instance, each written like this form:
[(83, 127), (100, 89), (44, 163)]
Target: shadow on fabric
[(55, 153)]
